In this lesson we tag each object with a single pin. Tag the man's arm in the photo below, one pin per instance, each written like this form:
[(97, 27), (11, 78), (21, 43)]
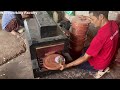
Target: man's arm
[(78, 61)]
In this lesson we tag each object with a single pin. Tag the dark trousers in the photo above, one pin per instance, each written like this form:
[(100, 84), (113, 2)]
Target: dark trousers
[(86, 66)]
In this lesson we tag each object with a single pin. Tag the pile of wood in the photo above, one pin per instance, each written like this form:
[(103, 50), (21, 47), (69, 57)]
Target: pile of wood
[(78, 35)]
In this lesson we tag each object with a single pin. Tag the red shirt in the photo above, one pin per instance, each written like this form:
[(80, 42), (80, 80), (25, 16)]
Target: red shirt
[(103, 46)]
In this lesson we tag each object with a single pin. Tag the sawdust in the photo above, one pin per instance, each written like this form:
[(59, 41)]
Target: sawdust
[(10, 46)]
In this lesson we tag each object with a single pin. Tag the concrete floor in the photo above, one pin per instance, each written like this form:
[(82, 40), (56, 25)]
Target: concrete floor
[(18, 68), (77, 73)]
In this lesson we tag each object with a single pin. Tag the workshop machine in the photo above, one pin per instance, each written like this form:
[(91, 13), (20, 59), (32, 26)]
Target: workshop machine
[(44, 36)]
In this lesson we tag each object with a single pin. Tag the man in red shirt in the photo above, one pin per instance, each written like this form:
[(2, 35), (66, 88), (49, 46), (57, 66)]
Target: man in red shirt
[(103, 46)]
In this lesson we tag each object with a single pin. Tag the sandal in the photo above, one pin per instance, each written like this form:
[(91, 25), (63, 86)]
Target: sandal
[(99, 74)]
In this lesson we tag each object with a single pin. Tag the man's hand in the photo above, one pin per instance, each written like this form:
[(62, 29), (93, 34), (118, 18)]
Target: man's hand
[(27, 14), (62, 66), (76, 62), (15, 33)]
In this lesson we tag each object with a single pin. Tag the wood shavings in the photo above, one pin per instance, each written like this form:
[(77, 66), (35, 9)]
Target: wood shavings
[(2, 75)]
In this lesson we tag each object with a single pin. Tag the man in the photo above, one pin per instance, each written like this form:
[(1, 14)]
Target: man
[(12, 22), (103, 46)]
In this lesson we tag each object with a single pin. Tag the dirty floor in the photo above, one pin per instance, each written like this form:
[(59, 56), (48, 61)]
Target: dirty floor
[(77, 73)]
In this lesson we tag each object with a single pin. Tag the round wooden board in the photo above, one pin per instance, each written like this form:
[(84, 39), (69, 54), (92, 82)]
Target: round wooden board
[(49, 62)]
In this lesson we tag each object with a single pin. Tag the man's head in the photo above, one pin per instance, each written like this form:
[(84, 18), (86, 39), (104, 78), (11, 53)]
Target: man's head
[(98, 18)]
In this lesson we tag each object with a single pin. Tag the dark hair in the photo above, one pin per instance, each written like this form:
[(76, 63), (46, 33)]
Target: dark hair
[(97, 13)]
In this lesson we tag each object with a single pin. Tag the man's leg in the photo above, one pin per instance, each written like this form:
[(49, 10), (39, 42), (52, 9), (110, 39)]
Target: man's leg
[(87, 66)]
